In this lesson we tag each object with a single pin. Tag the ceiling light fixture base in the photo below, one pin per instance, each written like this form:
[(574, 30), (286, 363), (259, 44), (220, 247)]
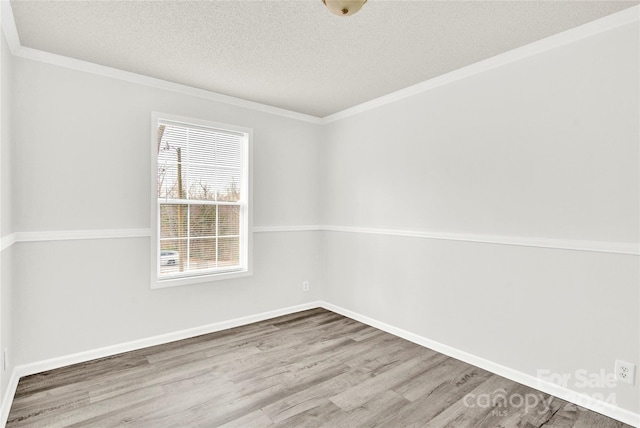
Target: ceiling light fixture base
[(344, 7)]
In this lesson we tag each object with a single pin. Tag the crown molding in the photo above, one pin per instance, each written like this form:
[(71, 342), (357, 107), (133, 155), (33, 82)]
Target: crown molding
[(127, 76), (610, 22), (619, 19), (13, 40)]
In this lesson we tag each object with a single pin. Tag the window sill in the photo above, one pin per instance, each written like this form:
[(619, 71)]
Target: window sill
[(198, 279)]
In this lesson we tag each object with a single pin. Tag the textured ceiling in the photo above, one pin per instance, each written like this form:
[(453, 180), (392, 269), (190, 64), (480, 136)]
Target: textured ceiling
[(294, 54)]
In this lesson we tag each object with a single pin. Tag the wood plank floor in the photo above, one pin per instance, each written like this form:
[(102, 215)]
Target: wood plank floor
[(310, 369)]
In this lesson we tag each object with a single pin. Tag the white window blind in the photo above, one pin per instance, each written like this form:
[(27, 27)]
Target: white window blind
[(201, 200)]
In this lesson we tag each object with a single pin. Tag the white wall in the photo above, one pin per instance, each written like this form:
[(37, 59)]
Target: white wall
[(6, 207), (82, 163), (6, 217), (545, 147)]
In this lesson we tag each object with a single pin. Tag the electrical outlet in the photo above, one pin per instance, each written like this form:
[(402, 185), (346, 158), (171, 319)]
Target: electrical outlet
[(625, 372), (305, 285)]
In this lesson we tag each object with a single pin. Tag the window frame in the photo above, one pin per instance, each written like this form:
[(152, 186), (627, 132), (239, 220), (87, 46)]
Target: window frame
[(246, 204)]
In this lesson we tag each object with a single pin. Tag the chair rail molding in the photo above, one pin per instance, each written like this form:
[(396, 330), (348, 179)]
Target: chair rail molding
[(623, 248)]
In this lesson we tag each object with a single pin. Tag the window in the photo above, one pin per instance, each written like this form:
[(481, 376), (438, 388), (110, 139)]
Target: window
[(200, 213)]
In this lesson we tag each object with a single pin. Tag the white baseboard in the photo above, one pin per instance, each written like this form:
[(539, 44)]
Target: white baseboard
[(7, 399), (563, 393), (81, 357), (582, 400)]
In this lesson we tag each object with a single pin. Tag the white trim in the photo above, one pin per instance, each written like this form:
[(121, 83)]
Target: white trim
[(624, 17), (606, 409), (245, 204), (81, 357), (303, 228), (629, 248), (140, 79), (71, 235), (618, 19), (7, 241), (7, 399), (13, 39), (582, 400), (9, 26)]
